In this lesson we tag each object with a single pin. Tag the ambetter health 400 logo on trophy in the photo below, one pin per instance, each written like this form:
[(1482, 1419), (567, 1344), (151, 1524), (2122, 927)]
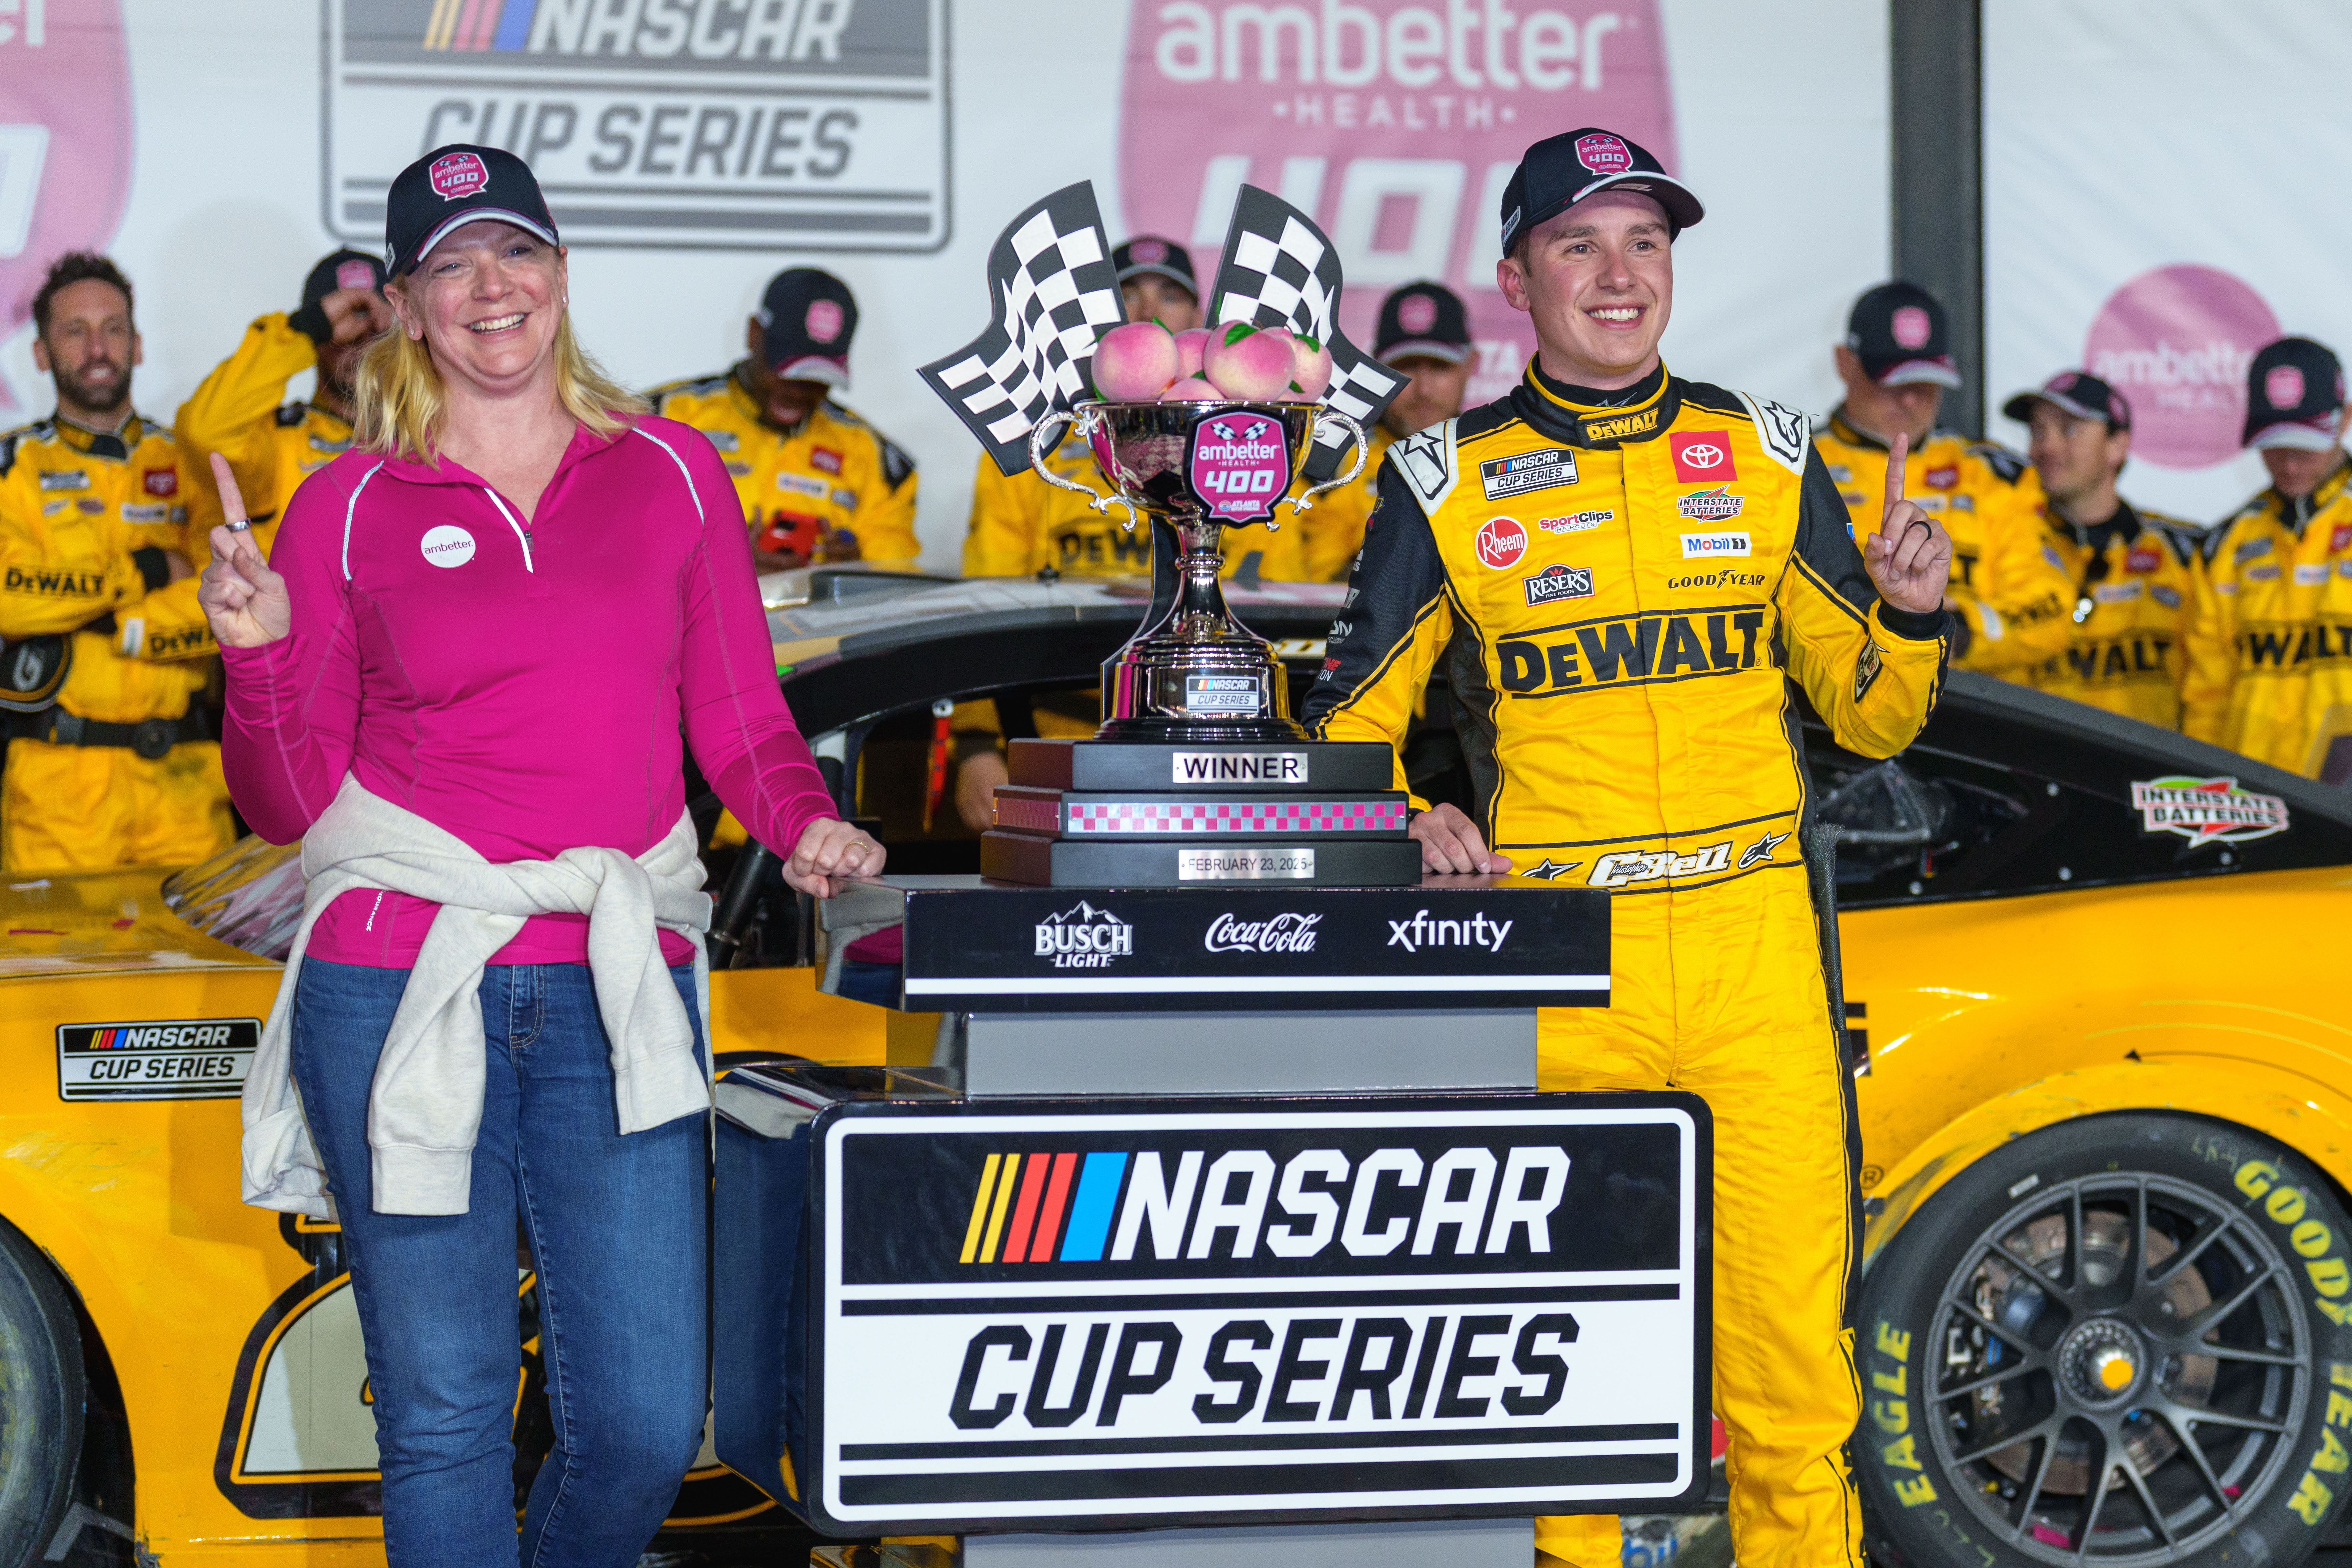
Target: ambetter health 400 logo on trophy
[(1198, 773)]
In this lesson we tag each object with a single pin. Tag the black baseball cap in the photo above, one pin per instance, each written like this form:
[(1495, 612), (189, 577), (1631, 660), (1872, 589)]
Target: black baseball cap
[(454, 186), (2294, 396), (1561, 171), (1900, 333), (2078, 394), (1424, 318), (806, 319), (1149, 253), (344, 269)]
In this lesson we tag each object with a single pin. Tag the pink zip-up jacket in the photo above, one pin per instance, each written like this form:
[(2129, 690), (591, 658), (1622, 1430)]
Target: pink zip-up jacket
[(521, 685)]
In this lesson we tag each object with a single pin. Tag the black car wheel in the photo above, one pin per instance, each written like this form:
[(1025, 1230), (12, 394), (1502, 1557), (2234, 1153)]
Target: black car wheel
[(41, 1395), (2125, 1340)]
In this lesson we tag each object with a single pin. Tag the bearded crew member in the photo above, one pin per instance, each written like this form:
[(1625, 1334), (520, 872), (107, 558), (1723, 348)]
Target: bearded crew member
[(1423, 334), (240, 410), (2010, 594), (2135, 571), (817, 482), (2269, 648), (1620, 685), (109, 762)]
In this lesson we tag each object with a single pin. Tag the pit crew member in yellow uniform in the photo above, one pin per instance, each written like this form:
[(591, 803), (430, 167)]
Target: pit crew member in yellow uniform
[(817, 482), (240, 409), (2010, 595), (1423, 333), (1621, 694), (2270, 648), (2135, 571), (110, 761)]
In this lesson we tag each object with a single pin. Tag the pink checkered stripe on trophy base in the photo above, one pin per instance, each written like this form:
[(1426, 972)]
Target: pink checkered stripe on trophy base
[(1232, 817)]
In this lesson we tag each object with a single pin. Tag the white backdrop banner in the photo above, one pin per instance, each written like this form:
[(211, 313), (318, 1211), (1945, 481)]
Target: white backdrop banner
[(691, 148), (2142, 182)]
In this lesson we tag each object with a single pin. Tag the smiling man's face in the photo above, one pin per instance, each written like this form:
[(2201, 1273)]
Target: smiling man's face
[(1598, 282)]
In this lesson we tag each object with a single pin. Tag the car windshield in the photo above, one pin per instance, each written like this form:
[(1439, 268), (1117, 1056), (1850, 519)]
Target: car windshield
[(249, 896)]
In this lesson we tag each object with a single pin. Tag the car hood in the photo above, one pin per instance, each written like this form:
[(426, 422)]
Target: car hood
[(100, 923)]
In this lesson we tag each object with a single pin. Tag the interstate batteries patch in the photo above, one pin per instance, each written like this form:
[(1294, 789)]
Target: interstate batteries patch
[(175, 1058)]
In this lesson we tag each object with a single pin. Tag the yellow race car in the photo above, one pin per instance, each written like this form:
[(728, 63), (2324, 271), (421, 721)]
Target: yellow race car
[(2106, 1316)]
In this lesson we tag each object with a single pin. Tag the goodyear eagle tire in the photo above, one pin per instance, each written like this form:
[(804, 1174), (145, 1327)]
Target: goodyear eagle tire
[(41, 1401), (2127, 1339)]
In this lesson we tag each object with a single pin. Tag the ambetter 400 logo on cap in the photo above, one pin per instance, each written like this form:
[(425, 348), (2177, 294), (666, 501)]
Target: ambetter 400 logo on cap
[(822, 124)]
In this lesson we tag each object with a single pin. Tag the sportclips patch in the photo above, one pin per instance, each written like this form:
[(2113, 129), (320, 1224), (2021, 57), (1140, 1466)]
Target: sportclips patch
[(177, 1058), (1027, 1313)]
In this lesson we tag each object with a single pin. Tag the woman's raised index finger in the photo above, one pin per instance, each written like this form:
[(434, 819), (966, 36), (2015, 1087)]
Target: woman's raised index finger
[(1896, 457)]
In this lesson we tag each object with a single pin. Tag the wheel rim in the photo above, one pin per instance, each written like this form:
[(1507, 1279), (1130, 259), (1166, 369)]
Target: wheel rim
[(2116, 1370)]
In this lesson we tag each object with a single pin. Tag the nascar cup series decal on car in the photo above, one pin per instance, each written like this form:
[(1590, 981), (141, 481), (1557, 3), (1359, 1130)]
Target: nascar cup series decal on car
[(1718, 505), (2207, 811), (1541, 471), (1697, 546), (447, 545), (1557, 581), (1575, 522), (1084, 937), (1501, 541), (178, 1058), (1702, 457)]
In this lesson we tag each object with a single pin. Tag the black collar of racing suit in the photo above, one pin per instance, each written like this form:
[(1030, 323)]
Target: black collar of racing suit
[(115, 444), (2296, 510), (2095, 537), (1843, 428), (1597, 420)]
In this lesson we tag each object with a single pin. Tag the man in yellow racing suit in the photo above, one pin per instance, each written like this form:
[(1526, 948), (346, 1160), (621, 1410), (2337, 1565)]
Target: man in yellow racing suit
[(2009, 594), (817, 482), (240, 409), (2135, 572), (2269, 648), (110, 764), (1621, 572)]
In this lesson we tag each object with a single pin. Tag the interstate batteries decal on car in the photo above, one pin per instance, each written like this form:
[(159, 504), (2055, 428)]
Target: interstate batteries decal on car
[(175, 1058), (2207, 811), (1036, 1312)]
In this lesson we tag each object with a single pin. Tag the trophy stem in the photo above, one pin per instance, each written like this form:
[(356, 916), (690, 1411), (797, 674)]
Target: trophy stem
[(1196, 674)]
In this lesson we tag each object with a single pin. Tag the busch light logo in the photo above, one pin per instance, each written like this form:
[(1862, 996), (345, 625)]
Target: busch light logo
[(1240, 466), (816, 124), (1085, 937), (1394, 124)]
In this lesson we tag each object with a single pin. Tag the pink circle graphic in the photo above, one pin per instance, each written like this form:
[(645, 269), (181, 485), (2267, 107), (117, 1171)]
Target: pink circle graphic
[(2176, 343)]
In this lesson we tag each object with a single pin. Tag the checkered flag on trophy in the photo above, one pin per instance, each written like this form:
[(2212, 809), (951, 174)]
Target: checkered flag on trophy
[(1280, 270), (1051, 293)]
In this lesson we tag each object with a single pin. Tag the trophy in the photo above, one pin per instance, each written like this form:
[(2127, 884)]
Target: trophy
[(1195, 468)]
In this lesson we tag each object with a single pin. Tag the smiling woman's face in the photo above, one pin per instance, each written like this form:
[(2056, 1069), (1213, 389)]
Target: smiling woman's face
[(487, 300)]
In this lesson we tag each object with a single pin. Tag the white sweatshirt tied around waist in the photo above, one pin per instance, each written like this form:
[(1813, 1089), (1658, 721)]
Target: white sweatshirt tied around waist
[(425, 1108)]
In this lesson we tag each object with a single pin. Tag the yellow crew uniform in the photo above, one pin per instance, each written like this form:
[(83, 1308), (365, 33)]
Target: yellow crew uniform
[(2269, 648), (835, 473), (1340, 516), (2135, 590), (272, 446), (121, 770), (2011, 594), (1621, 596)]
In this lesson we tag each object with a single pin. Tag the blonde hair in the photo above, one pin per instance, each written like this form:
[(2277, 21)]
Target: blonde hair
[(400, 403)]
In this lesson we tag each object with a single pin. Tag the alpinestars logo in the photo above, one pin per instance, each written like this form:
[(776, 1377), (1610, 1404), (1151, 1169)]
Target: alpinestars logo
[(1084, 938)]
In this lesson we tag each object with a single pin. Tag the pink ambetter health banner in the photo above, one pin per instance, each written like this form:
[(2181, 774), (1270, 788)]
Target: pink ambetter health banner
[(1395, 125), (64, 143)]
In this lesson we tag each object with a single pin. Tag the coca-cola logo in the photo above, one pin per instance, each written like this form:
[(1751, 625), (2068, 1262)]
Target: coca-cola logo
[(2176, 343), (1395, 124), (1277, 933)]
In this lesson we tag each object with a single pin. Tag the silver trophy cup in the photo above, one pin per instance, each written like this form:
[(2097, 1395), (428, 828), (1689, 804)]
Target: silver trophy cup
[(1194, 672)]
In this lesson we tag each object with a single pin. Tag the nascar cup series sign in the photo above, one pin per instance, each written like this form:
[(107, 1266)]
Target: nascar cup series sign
[(1046, 1314), (801, 124)]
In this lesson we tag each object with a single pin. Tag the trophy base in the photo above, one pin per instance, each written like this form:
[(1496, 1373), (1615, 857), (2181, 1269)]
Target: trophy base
[(1043, 862), (1157, 729), (1227, 766), (1200, 816)]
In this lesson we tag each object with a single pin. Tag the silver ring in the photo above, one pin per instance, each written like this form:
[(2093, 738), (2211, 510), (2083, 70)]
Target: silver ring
[(240, 525)]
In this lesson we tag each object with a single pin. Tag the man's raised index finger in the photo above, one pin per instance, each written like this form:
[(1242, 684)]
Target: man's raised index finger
[(1896, 457)]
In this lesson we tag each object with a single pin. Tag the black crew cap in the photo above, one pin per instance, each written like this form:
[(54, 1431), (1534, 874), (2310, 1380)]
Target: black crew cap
[(1149, 253), (806, 319), (1901, 335), (2294, 396), (1561, 171), (1424, 318), (2078, 394), (456, 184), (344, 269)]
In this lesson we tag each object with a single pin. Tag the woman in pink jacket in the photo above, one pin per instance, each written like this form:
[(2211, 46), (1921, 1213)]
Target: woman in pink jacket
[(491, 621)]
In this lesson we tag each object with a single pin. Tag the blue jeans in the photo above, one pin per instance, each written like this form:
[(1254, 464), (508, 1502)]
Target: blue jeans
[(616, 1229)]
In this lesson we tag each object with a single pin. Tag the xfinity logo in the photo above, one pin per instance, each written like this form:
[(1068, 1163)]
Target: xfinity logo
[(1421, 932), (1279, 933), (1084, 938)]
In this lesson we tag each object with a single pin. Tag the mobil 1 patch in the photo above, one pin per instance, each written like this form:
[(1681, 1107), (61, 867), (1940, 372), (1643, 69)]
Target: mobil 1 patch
[(164, 1058), (1525, 471)]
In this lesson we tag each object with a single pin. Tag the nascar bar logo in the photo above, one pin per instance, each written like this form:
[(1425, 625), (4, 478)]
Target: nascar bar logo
[(1045, 1311), (2207, 811), (1527, 471), (176, 1058), (766, 124)]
